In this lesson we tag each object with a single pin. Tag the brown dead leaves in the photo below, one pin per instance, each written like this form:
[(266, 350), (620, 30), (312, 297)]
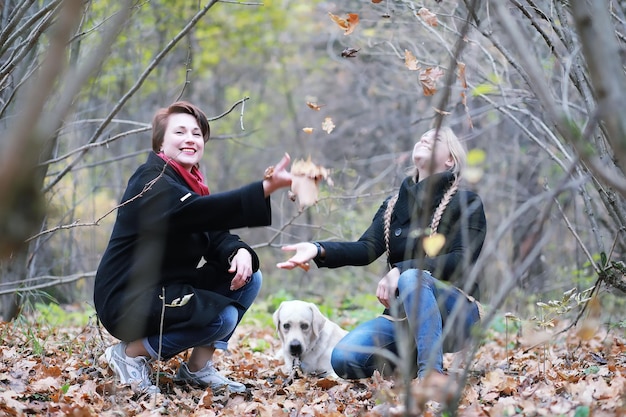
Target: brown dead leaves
[(348, 24), (55, 372)]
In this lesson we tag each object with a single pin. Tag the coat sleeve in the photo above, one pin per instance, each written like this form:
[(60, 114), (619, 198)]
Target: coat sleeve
[(224, 244), (367, 249), (164, 200)]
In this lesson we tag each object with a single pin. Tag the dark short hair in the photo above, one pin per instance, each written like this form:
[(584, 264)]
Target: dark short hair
[(162, 116)]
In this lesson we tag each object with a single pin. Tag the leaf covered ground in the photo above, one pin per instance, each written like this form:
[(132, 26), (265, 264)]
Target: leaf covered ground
[(56, 371)]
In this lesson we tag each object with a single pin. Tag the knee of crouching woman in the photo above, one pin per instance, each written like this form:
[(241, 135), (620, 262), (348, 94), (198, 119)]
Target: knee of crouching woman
[(412, 278)]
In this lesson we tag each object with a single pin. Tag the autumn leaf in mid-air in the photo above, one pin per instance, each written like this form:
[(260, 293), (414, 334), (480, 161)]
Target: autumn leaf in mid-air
[(307, 130), (428, 79), (433, 244), (305, 177), (328, 125), (410, 61), (429, 17), (314, 106), (349, 53), (348, 24)]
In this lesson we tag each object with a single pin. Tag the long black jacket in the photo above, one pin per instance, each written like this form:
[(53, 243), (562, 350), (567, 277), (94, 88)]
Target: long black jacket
[(169, 239), (463, 224)]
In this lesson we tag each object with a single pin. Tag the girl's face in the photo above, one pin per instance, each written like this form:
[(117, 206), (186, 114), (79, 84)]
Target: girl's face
[(428, 161), (183, 141)]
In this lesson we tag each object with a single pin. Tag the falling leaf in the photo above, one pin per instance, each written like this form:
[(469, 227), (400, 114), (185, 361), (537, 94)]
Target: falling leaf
[(410, 61), (314, 106), (349, 52), (376, 1), (428, 79), (428, 17), (348, 24), (433, 244), (305, 179), (307, 129), (328, 125), (461, 74)]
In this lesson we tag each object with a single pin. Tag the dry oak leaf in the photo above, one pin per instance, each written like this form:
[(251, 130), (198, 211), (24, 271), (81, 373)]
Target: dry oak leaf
[(305, 179), (429, 17), (410, 61), (314, 106), (349, 53), (328, 125), (428, 79), (348, 24)]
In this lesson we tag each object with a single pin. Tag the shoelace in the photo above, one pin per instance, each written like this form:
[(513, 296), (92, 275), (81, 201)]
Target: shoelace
[(146, 373)]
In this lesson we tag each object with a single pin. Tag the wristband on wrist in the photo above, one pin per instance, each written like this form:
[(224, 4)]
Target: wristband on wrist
[(319, 250)]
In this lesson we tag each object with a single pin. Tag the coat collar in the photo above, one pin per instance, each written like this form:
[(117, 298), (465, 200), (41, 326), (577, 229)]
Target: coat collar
[(414, 197)]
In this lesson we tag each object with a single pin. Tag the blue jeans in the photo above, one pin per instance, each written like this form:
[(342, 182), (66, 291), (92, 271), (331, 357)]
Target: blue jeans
[(428, 303), (218, 332)]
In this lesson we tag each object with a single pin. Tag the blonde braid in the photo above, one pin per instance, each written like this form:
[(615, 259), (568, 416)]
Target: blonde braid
[(434, 224), (387, 219), (445, 200)]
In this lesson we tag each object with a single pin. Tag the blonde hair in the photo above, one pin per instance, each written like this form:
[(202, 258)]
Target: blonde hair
[(459, 155), (455, 147)]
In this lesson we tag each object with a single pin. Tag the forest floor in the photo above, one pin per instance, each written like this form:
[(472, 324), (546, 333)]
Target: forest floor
[(57, 371)]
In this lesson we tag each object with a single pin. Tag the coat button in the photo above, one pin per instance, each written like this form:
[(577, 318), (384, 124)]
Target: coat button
[(398, 232)]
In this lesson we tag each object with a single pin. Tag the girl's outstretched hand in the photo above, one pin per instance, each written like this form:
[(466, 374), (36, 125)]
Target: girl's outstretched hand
[(305, 252), (277, 176)]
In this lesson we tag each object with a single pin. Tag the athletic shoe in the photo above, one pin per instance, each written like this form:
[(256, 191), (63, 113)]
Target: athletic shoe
[(207, 377), (134, 371)]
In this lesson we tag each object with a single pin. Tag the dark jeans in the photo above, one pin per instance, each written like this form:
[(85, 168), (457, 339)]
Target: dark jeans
[(428, 303), (218, 332)]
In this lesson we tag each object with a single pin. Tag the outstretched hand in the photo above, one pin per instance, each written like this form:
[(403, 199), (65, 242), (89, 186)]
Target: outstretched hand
[(277, 176), (305, 252)]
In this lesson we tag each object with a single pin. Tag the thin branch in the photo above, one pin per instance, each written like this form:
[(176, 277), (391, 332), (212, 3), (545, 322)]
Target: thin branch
[(155, 61), (146, 188)]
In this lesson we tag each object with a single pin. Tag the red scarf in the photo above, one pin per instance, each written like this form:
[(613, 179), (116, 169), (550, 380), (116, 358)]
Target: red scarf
[(193, 179)]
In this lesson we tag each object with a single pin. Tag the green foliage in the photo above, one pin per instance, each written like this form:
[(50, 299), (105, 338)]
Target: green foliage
[(555, 308), (53, 315)]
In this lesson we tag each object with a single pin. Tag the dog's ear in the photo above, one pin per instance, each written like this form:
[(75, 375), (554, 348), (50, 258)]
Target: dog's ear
[(276, 318), (319, 320)]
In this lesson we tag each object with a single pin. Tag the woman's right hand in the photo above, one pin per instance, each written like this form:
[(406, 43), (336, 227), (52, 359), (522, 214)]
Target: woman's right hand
[(278, 177), (305, 252)]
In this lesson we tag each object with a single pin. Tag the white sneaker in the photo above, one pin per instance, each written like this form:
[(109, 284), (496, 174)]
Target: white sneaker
[(130, 370), (207, 376)]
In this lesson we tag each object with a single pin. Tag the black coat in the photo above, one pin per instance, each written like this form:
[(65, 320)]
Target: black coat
[(463, 224), (168, 237)]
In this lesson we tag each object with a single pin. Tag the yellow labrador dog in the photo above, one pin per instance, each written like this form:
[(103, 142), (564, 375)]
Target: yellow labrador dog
[(308, 335)]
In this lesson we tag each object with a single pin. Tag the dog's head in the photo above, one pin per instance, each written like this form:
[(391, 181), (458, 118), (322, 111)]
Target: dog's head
[(299, 324)]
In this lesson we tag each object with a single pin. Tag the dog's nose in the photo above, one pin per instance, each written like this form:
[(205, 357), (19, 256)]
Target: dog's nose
[(295, 348)]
